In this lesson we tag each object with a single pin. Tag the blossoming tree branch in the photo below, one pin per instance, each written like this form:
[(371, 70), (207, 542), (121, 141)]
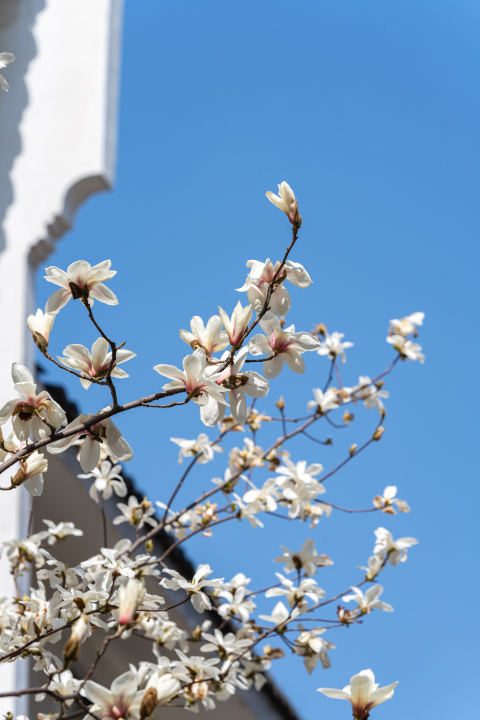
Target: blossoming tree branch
[(232, 361)]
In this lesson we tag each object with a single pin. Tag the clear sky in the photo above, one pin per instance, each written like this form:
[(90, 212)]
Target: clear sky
[(370, 110)]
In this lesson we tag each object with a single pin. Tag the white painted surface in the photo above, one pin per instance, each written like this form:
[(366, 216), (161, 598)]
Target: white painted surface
[(57, 147)]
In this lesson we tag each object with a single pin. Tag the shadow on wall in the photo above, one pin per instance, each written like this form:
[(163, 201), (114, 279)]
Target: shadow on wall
[(17, 18)]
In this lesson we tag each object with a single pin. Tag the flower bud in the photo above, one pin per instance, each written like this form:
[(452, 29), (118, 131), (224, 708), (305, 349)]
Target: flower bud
[(149, 703), (352, 449), (378, 433), (130, 597), (280, 404), (71, 650), (40, 326)]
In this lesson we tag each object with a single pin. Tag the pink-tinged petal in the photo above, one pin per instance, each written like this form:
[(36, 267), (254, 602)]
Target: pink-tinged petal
[(170, 371), (273, 368), (100, 350), (103, 294), (121, 450), (89, 454), (85, 383), (294, 361), (239, 360), (56, 276), (213, 390), (77, 272), (297, 275), (269, 323), (238, 405), (187, 336), (256, 385), (123, 355), (212, 413), (174, 385), (194, 365), (57, 301), (259, 345), (305, 341), (98, 694)]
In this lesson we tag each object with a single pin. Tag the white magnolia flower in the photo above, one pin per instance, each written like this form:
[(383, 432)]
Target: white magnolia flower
[(324, 401), (369, 393), (192, 379), (265, 498), (166, 686), (305, 559), (30, 473), (60, 531), (81, 281), (237, 384), (386, 501), (105, 432), (5, 59), (135, 513), (40, 326), (368, 601), (237, 605), (224, 645), (286, 346), (279, 614), (333, 346), (238, 323), (363, 692), (107, 481), (201, 447), (407, 349), (33, 412), (285, 200), (200, 601), (112, 560), (295, 595), (211, 339), (262, 274), (313, 648), (121, 701), (95, 364), (300, 471), (64, 684), (375, 565), (407, 325), (130, 597), (298, 495), (396, 550)]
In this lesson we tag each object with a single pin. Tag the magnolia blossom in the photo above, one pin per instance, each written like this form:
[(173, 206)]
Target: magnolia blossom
[(130, 597), (313, 648), (295, 595), (237, 384), (105, 432), (238, 604), (95, 364), (368, 601), (333, 346), (224, 645), (201, 448), (369, 393), (40, 326), (30, 473), (107, 481), (324, 401), (285, 345), (386, 501), (260, 277), (300, 471), (5, 59), (305, 559), (279, 614), (165, 686), (200, 601), (363, 692), (396, 550), (407, 325), (211, 339), (407, 349), (60, 531), (121, 701), (136, 513), (81, 281), (285, 200), (192, 379), (238, 323), (265, 498), (33, 412)]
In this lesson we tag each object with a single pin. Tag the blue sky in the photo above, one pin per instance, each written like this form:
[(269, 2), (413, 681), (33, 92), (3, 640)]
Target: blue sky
[(370, 111)]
